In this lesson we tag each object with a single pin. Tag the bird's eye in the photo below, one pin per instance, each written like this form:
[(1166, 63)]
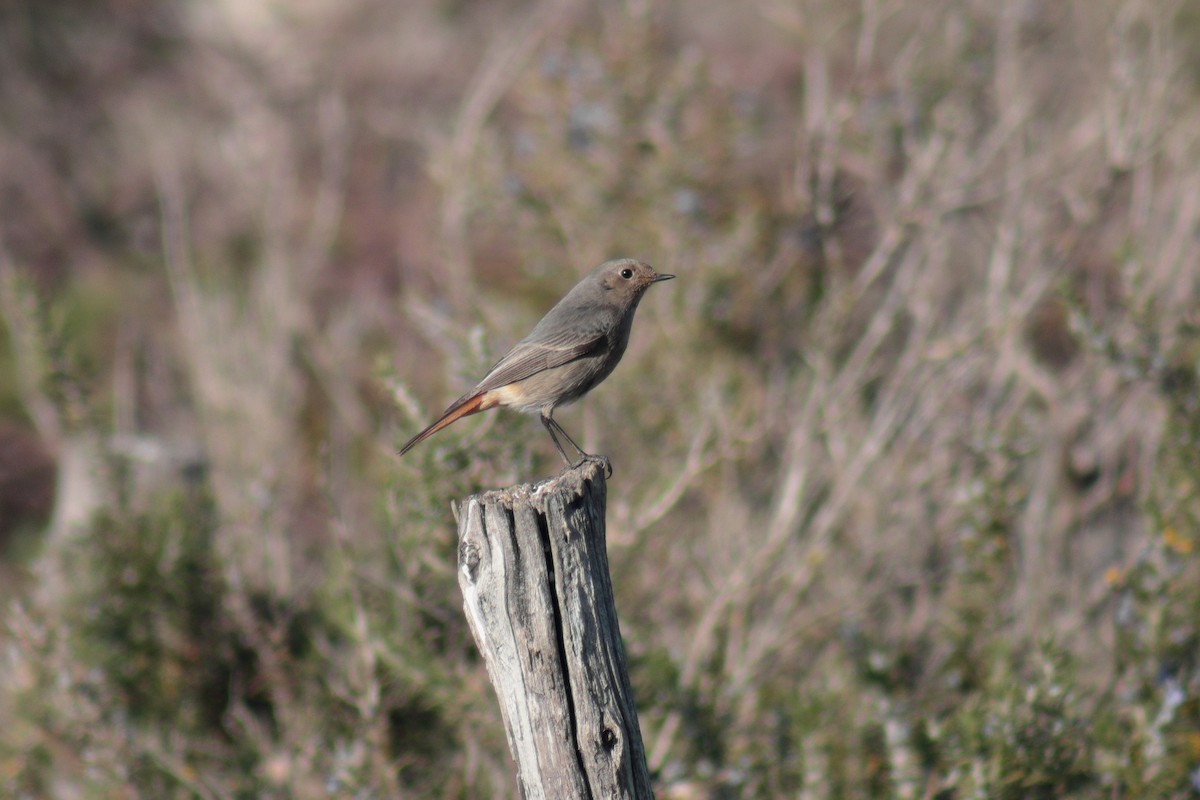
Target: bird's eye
[(627, 273)]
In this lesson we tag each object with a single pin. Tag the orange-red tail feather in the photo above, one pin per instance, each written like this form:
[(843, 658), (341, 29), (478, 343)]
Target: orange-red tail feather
[(469, 406)]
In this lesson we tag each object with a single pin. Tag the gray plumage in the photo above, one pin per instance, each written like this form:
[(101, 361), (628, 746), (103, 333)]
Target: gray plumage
[(572, 349)]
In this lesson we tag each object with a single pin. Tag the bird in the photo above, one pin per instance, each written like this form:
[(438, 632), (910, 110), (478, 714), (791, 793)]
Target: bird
[(573, 348)]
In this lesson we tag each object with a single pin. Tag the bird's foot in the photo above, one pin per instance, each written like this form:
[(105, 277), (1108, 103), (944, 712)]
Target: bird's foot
[(604, 461)]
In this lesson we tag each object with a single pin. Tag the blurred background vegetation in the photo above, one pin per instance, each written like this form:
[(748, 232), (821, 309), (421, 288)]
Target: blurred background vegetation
[(907, 459)]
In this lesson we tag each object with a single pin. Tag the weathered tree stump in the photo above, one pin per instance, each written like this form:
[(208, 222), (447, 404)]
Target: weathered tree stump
[(537, 593)]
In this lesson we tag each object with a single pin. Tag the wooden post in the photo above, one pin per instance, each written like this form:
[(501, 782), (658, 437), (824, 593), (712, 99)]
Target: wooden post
[(534, 574)]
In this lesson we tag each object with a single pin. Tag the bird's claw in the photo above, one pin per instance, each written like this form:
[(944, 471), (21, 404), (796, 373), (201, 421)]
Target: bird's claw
[(604, 461)]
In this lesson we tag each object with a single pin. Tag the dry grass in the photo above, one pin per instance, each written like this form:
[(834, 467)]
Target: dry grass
[(905, 500)]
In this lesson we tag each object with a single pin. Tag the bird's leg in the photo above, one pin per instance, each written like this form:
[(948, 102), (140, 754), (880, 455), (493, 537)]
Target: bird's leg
[(550, 425), (558, 429), (554, 429)]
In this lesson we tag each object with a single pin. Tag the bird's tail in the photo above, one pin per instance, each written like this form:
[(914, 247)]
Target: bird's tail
[(463, 408)]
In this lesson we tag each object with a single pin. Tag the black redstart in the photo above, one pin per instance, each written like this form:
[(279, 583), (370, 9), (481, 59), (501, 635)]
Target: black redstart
[(573, 348)]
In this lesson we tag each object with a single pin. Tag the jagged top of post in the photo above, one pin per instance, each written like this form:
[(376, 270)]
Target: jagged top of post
[(571, 482)]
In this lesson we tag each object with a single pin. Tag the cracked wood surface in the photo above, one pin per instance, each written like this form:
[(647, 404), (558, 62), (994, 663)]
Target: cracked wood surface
[(538, 596)]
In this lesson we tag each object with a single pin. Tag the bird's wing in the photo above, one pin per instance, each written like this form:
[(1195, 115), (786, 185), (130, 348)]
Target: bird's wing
[(551, 344), (531, 357)]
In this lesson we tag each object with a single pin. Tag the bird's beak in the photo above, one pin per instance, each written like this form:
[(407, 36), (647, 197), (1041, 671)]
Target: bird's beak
[(661, 277)]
